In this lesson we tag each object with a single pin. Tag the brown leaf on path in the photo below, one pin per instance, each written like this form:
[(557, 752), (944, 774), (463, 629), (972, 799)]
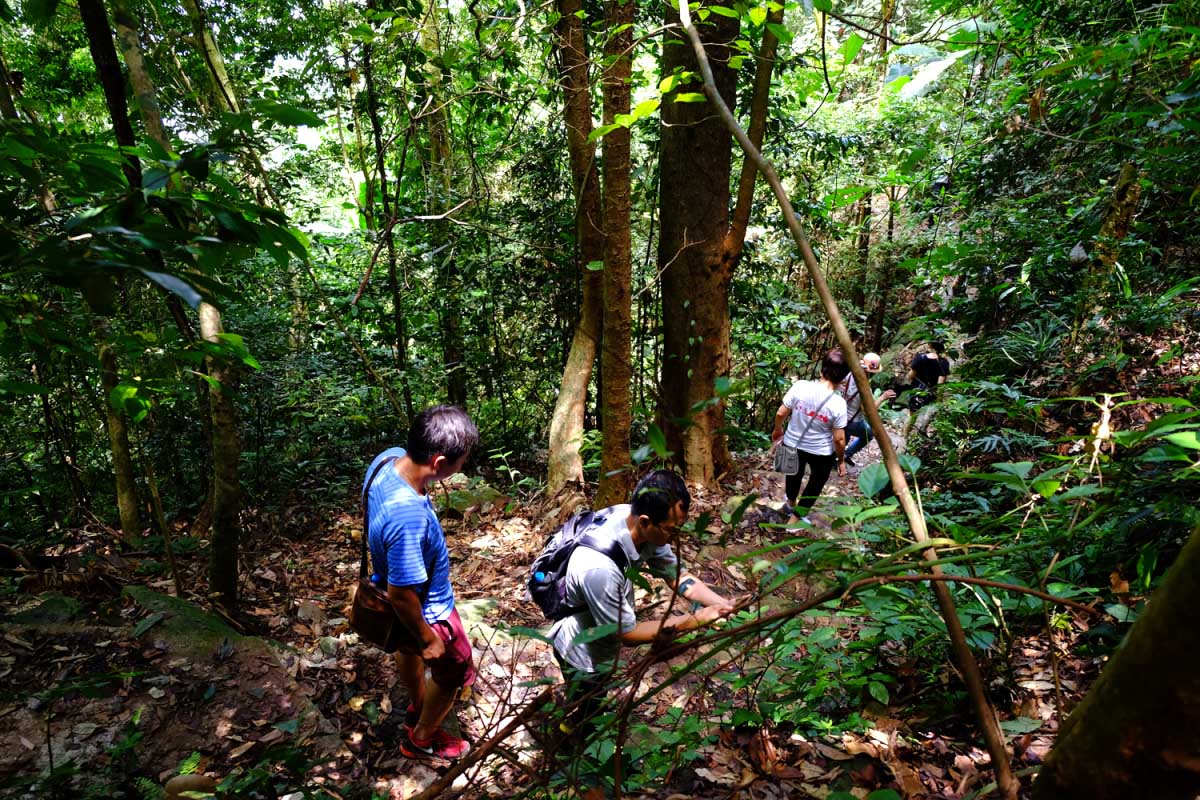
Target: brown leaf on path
[(763, 754)]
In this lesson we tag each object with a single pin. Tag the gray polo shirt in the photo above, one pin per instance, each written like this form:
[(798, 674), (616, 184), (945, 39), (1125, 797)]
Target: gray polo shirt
[(594, 583)]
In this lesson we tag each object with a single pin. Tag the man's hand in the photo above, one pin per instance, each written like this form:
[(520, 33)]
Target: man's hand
[(888, 394), (435, 648), (710, 614), (841, 469)]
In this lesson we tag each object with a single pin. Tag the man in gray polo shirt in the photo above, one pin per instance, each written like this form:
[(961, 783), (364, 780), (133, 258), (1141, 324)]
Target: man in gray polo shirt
[(597, 586)]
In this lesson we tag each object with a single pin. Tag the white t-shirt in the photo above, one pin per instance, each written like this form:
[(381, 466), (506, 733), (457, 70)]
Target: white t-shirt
[(816, 411)]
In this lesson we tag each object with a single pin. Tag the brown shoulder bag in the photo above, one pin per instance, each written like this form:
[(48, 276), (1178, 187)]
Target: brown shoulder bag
[(371, 614)]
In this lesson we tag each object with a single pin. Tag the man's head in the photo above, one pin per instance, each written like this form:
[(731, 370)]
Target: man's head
[(660, 505), (834, 367), (872, 363), (938, 346), (442, 437)]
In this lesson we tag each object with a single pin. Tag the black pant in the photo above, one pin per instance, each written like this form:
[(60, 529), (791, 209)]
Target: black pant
[(819, 468)]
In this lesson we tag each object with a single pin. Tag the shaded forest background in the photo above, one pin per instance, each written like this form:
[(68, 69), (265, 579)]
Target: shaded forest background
[(241, 243)]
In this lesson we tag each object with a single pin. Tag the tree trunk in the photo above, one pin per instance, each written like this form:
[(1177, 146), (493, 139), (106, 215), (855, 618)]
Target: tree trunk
[(695, 274), (118, 439), (886, 276), (1137, 732), (226, 97), (617, 367), (143, 87), (449, 278), (862, 245), (400, 341), (108, 70), (226, 452), (8, 108), (566, 425)]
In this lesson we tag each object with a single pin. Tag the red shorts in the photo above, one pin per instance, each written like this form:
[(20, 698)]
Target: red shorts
[(456, 667)]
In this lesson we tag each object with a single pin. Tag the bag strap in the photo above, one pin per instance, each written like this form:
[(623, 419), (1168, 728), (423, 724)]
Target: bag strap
[(809, 421), (362, 565), (612, 549)]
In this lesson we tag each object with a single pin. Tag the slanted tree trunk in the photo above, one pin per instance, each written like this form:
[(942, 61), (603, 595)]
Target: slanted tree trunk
[(8, 108), (1137, 732), (616, 364), (566, 424), (226, 97), (694, 199)]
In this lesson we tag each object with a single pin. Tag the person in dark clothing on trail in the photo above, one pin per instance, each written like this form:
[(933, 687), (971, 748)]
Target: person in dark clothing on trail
[(925, 374)]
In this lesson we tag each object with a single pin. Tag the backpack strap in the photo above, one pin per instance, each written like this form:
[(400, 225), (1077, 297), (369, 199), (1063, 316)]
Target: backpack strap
[(611, 549), (362, 566)]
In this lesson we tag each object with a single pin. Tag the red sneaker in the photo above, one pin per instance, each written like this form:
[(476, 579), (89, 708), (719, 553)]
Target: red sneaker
[(411, 718), (440, 745)]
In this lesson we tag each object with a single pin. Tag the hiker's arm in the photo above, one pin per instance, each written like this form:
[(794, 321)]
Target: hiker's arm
[(646, 632), (839, 449), (407, 605), (782, 414)]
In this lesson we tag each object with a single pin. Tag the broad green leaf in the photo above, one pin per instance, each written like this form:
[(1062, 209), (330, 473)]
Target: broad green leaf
[(288, 726), (690, 97), (286, 114), (851, 47), (884, 794), (1046, 488), (148, 623), (873, 479), (594, 266), (175, 286), (601, 131), (1121, 613), (1187, 439), (1020, 725), (592, 634), (781, 32), (823, 5), (758, 15), (529, 633), (645, 108), (1020, 468), (723, 11), (879, 692), (21, 387), (657, 440), (910, 464)]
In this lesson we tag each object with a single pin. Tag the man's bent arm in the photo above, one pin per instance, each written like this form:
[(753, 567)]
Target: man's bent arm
[(407, 605), (782, 414), (646, 632)]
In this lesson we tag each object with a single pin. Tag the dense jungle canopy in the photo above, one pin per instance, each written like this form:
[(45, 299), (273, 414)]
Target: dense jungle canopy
[(243, 244)]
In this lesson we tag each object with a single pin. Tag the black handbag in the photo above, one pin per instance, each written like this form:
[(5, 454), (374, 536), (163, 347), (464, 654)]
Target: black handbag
[(371, 614)]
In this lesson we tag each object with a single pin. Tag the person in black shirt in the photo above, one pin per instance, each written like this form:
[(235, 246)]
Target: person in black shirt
[(926, 372)]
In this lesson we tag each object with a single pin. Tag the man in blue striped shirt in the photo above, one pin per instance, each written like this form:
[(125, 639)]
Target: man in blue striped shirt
[(410, 561)]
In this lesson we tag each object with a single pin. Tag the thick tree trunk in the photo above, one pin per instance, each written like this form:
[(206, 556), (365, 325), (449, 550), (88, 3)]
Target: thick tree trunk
[(1137, 732), (617, 367), (862, 246), (108, 70), (886, 276), (8, 108), (694, 200), (566, 424)]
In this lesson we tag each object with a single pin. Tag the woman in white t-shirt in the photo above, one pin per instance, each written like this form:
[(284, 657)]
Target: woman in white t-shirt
[(815, 437)]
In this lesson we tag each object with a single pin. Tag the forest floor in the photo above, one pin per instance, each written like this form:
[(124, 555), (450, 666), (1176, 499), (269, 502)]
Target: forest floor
[(114, 682)]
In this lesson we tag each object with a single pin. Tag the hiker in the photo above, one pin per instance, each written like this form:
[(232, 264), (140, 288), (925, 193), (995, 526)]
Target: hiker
[(815, 438), (858, 430), (637, 534), (411, 562), (926, 372)]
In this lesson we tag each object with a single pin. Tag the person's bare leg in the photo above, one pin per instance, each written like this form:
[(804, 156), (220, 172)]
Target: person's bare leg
[(412, 675), (437, 703)]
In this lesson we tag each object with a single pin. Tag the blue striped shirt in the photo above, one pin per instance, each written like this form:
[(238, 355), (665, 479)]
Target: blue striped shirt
[(408, 547)]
